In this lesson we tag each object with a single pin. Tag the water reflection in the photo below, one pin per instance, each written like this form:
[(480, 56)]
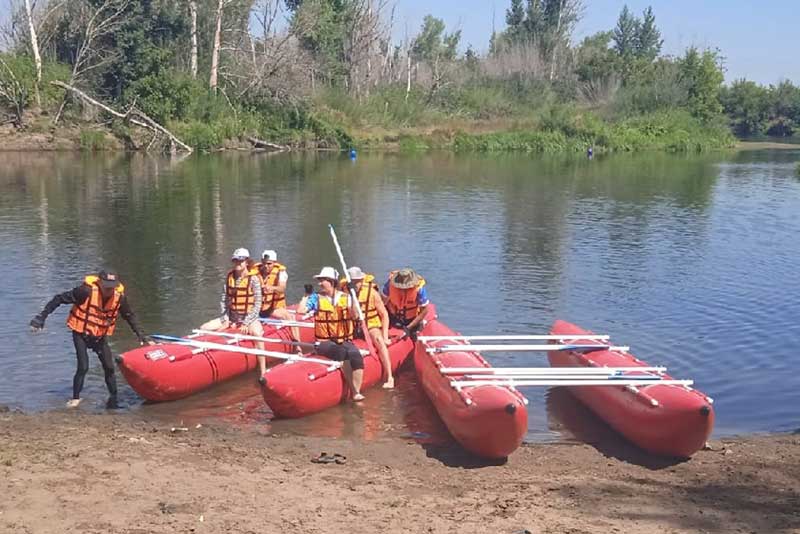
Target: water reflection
[(691, 260)]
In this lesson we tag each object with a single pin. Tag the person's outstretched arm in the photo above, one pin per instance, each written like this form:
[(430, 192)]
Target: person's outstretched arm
[(77, 295)]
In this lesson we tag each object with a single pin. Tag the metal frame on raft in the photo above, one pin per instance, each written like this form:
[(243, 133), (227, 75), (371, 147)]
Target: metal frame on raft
[(512, 377)]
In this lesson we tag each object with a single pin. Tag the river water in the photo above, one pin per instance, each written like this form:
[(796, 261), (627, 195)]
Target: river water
[(690, 260)]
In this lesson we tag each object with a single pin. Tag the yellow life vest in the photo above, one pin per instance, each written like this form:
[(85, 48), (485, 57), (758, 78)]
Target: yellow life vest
[(365, 300), (332, 320), (271, 300), (93, 316), (241, 297)]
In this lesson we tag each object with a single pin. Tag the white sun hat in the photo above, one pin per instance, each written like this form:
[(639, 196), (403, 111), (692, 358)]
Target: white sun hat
[(329, 273), (269, 255)]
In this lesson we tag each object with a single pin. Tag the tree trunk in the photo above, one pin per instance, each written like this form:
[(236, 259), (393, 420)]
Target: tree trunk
[(408, 73), (212, 81), (556, 40), (193, 15), (37, 58)]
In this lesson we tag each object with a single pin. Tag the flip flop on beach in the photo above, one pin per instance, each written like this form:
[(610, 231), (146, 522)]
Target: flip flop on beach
[(325, 458)]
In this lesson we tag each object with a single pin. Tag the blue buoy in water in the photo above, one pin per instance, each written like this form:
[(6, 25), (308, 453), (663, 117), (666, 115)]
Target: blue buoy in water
[(353, 153)]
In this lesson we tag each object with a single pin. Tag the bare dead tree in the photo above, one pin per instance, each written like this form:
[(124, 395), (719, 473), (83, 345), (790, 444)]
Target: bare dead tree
[(133, 116), (364, 32), (213, 78), (12, 92), (193, 32), (101, 21), (37, 58)]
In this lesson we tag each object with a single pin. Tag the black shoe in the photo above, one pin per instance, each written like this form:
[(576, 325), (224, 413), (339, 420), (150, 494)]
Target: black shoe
[(112, 404), (262, 380)]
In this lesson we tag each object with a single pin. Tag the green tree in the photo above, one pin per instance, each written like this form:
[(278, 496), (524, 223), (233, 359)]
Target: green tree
[(625, 33), (747, 105), (702, 75), (515, 20), (648, 38), (784, 102)]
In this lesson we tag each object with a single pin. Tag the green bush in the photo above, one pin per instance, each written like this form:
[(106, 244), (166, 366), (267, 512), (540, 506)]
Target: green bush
[(166, 97), (24, 70), (92, 140)]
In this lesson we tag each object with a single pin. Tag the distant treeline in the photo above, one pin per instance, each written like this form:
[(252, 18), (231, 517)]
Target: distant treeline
[(217, 71)]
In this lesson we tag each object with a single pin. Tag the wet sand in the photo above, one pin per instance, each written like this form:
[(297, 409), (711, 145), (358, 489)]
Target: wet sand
[(116, 473)]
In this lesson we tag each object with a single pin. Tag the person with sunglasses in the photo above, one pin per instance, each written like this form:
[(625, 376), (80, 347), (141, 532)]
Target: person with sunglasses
[(334, 311), (241, 303)]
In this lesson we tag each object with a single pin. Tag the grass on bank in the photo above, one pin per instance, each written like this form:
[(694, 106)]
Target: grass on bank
[(484, 116)]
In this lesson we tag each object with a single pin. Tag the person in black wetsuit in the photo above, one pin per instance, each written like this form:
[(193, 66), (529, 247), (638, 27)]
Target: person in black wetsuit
[(95, 306)]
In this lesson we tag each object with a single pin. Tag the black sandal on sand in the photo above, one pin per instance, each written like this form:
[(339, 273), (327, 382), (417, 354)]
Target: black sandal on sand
[(325, 458)]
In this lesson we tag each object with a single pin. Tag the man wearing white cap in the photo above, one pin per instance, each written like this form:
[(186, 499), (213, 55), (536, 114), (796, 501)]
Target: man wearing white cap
[(241, 302), (375, 315), (273, 286), (333, 327)]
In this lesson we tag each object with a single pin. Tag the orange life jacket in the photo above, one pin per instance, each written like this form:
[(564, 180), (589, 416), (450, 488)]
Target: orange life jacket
[(271, 300), (332, 320), (365, 300), (241, 297), (402, 303), (95, 317)]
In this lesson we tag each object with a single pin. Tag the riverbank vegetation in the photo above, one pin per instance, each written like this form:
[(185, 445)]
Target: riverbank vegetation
[(208, 74)]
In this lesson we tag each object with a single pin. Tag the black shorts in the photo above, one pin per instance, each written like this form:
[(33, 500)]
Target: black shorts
[(341, 352)]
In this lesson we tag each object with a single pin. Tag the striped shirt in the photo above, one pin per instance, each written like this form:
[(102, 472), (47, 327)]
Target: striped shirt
[(232, 316)]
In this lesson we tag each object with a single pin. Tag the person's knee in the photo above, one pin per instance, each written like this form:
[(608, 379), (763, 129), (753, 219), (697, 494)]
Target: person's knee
[(356, 359)]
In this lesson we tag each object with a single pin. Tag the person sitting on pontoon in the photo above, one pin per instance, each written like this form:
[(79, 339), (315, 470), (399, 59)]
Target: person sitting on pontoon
[(333, 327), (241, 302), (375, 315), (406, 300)]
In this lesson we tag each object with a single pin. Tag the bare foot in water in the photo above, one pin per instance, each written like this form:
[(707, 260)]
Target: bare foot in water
[(389, 384)]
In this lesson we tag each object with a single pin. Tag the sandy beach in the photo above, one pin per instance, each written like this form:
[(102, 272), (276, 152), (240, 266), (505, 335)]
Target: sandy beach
[(116, 473)]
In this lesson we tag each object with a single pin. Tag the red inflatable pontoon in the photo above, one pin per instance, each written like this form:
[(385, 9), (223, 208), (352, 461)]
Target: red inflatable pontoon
[(296, 389), (666, 420), (171, 371), (489, 421)]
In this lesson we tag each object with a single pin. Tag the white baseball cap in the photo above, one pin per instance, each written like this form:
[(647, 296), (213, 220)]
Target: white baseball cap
[(329, 273), (269, 255), (240, 254)]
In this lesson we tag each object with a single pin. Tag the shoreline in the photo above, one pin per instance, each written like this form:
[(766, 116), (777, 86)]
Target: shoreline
[(117, 473)]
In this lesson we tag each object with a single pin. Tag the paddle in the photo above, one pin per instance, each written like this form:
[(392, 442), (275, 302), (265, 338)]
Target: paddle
[(243, 350), (353, 294)]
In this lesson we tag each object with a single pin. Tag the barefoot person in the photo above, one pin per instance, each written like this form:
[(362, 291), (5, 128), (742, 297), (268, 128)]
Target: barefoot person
[(375, 315), (241, 303), (406, 300), (95, 306), (333, 327)]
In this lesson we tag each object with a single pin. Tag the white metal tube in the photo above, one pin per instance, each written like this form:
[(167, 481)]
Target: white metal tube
[(282, 322), (566, 376), (591, 337), (257, 352), (521, 348), (546, 370), (243, 337), (598, 382)]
